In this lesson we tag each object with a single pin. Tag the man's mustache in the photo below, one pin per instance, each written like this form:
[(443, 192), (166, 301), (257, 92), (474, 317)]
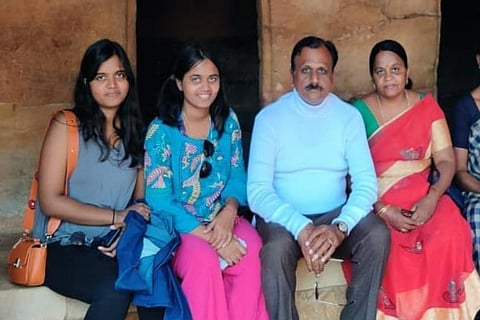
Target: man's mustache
[(314, 86)]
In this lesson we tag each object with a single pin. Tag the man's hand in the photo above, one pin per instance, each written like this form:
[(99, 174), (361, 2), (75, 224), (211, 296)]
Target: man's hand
[(302, 242), (319, 245), (313, 265)]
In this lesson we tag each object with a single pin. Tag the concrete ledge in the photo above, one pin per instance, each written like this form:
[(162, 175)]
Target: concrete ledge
[(320, 297), (36, 303), (40, 303)]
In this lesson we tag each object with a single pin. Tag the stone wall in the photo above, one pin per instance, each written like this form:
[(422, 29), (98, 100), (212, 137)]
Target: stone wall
[(41, 45), (42, 42), (354, 26)]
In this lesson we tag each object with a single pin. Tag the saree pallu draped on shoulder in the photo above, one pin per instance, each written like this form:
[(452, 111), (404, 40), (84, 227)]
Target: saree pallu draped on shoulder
[(430, 272)]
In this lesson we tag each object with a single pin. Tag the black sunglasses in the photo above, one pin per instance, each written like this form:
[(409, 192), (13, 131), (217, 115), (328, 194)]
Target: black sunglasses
[(206, 168)]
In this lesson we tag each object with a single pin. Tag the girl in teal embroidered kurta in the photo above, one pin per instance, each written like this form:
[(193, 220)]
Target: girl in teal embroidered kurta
[(184, 195), (195, 173)]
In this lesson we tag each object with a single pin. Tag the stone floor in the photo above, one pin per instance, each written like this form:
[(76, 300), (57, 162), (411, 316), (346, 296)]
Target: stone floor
[(40, 303), (320, 297), (35, 303)]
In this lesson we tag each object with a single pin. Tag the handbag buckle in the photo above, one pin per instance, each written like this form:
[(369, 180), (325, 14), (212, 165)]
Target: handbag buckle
[(16, 264)]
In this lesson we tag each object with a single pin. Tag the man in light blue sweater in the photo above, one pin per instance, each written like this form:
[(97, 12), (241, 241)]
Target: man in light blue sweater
[(304, 149)]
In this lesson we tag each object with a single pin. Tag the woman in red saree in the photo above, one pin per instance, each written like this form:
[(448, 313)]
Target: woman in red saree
[(430, 272)]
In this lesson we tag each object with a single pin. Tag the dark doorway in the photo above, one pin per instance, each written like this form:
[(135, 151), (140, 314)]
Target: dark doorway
[(229, 28), (457, 68)]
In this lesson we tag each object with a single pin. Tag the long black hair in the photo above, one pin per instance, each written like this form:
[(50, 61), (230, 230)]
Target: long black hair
[(393, 46), (92, 120), (170, 100)]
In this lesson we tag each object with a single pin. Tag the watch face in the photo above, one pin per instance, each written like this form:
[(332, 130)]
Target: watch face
[(342, 226)]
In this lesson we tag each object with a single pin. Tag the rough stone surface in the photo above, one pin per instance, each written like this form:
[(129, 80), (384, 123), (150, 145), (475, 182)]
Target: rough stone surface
[(41, 45), (21, 132), (328, 301), (328, 305), (43, 41), (48, 304), (354, 26)]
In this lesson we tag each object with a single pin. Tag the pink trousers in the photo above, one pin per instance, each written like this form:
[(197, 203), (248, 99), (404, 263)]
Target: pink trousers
[(232, 294)]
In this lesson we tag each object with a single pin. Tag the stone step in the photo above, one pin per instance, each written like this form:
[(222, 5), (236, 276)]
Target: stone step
[(321, 297), (35, 303), (316, 297)]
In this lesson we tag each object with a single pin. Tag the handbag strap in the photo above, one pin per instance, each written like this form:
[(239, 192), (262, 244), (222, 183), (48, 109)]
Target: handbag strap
[(72, 157)]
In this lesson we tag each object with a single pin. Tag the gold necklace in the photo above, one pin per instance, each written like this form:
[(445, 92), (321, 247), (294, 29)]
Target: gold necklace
[(380, 105)]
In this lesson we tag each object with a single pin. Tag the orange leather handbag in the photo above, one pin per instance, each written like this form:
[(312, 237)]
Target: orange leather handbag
[(27, 261), (28, 257)]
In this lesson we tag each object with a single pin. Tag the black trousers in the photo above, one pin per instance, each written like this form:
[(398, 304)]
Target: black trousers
[(86, 274), (367, 246)]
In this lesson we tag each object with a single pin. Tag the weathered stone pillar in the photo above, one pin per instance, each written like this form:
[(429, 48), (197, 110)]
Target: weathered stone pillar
[(41, 44), (354, 26)]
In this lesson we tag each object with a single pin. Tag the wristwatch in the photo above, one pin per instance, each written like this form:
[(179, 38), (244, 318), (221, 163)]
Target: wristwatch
[(342, 226)]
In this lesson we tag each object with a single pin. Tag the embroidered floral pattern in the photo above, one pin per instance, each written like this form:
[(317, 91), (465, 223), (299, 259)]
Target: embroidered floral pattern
[(416, 248), (155, 178), (455, 292), (189, 150), (195, 192), (172, 169), (385, 300), (235, 158), (151, 131), (412, 153)]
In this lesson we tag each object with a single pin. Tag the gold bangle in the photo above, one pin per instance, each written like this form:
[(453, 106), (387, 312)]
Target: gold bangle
[(383, 210)]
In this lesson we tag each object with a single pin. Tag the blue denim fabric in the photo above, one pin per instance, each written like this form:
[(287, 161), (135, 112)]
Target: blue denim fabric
[(151, 279)]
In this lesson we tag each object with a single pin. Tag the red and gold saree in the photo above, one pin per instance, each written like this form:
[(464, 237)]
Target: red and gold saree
[(430, 272)]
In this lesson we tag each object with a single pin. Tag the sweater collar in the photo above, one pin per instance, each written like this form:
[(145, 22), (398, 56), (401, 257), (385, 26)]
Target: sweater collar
[(303, 105)]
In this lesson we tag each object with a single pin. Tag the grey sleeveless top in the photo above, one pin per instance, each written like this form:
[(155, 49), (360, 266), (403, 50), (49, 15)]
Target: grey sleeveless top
[(108, 184)]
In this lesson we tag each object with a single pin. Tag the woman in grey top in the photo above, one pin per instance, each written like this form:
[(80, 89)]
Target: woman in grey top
[(107, 177)]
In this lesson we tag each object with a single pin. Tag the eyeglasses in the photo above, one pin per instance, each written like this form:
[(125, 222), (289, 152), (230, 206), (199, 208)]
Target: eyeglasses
[(206, 168)]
